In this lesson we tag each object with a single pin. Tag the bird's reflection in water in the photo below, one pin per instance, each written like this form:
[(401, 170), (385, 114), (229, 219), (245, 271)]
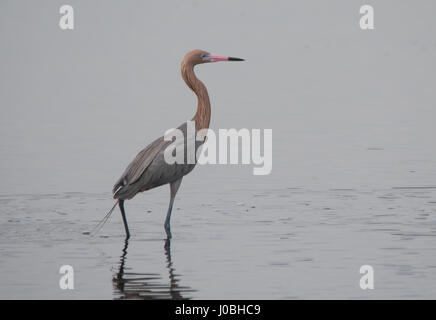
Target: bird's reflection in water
[(132, 285)]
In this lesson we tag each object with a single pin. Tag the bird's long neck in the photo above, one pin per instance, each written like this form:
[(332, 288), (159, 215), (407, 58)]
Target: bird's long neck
[(202, 116)]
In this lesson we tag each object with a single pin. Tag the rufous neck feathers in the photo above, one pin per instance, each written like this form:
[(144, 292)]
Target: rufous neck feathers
[(202, 116)]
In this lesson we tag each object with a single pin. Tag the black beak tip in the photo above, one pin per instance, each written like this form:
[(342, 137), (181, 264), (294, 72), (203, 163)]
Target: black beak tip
[(235, 59)]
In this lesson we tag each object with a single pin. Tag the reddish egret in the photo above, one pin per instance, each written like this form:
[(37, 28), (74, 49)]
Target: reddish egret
[(149, 169)]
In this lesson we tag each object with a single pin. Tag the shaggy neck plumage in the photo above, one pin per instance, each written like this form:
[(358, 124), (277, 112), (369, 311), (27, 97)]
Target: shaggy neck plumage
[(202, 116)]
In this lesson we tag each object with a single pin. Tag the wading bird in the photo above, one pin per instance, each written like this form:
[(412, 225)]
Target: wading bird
[(149, 169)]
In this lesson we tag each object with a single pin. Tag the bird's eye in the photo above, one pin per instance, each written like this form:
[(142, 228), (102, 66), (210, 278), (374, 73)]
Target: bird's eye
[(203, 56)]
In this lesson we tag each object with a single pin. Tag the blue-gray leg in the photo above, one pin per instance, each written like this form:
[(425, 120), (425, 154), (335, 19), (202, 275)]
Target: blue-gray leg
[(168, 218), (174, 187), (123, 214)]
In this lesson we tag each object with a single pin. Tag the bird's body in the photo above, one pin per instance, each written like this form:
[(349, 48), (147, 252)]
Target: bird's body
[(149, 169)]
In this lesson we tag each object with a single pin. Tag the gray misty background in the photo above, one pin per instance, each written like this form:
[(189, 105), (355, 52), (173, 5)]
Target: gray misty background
[(354, 157)]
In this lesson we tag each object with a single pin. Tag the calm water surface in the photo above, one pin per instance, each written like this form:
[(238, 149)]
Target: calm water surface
[(258, 248)]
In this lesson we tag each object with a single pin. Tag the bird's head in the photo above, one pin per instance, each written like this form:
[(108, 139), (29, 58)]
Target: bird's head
[(199, 56)]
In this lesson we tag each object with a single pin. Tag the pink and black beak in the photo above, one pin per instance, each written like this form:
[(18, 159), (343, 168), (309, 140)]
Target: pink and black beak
[(213, 58)]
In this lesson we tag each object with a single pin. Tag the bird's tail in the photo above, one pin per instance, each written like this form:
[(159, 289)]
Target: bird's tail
[(102, 222)]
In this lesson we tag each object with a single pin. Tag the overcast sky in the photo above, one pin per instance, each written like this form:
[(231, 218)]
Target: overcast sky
[(76, 106)]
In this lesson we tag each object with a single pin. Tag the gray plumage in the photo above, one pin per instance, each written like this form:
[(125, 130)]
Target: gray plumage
[(149, 169)]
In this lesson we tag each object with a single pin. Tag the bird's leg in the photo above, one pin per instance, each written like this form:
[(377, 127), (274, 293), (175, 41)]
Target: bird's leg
[(174, 187), (167, 219), (123, 214)]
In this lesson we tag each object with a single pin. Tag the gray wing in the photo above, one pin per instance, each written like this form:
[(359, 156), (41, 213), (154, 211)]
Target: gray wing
[(149, 168), (137, 167)]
